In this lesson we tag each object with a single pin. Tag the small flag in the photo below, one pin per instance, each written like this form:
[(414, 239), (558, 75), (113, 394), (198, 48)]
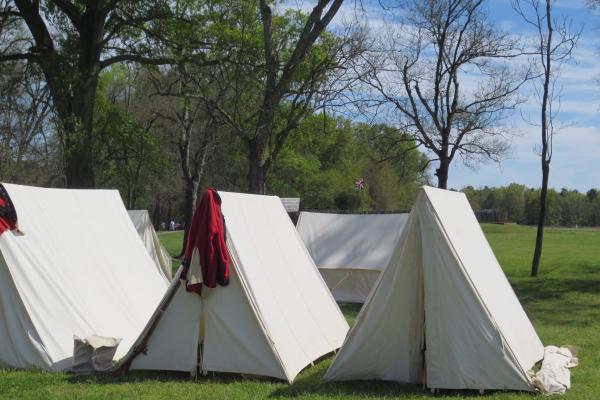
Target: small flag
[(359, 184)]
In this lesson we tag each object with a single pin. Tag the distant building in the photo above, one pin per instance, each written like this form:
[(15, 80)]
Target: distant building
[(292, 206)]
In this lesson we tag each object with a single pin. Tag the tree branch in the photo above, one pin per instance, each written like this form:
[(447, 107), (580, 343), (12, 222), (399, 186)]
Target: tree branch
[(17, 56), (71, 11), (137, 59)]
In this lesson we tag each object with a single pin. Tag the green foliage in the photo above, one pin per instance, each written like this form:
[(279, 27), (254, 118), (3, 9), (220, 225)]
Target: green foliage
[(517, 203), (325, 156), (128, 155)]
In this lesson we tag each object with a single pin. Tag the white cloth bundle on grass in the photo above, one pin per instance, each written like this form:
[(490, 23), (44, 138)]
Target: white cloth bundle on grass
[(94, 353), (555, 377)]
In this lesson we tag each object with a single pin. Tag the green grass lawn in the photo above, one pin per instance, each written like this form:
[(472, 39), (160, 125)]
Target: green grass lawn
[(563, 303), (173, 243)]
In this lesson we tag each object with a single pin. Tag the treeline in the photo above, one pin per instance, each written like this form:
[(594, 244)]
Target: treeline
[(142, 150), (520, 204)]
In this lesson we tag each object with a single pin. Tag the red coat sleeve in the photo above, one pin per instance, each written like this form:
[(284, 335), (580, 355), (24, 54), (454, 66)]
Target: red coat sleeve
[(207, 234), (8, 215)]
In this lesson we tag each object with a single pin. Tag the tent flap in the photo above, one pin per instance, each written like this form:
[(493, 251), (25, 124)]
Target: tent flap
[(158, 253)]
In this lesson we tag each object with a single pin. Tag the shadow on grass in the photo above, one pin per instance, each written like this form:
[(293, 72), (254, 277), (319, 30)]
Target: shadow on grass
[(310, 384), (168, 376), (375, 389), (131, 377), (307, 384), (562, 301)]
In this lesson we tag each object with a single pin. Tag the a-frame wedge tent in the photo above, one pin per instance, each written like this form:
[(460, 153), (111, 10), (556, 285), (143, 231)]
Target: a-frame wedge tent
[(143, 224), (274, 318), (78, 268), (442, 312), (350, 250)]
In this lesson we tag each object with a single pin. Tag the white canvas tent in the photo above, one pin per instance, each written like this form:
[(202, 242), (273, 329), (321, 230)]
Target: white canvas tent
[(78, 268), (350, 250), (274, 318), (143, 224), (442, 312)]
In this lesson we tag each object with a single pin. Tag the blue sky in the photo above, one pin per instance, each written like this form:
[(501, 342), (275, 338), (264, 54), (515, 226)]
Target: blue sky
[(577, 147)]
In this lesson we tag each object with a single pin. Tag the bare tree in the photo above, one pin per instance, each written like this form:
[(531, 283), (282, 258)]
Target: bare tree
[(552, 47), (26, 143), (27, 147), (443, 74), (191, 126)]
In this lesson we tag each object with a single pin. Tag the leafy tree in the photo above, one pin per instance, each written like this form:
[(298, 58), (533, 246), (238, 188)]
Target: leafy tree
[(592, 194), (395, 169), (128, 153), (326, 156), (278, 74), (72, 42), (513, 202), (318, 163)]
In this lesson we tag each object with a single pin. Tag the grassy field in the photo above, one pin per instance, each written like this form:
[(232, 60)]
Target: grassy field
[(173, 243), (563, 303)]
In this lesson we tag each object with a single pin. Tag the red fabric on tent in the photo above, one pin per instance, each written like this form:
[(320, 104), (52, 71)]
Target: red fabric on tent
[(207, 234), (8, 215)]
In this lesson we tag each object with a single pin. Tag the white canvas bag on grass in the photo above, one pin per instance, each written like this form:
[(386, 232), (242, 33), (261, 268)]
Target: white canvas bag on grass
[(94, 353), (555, 376)]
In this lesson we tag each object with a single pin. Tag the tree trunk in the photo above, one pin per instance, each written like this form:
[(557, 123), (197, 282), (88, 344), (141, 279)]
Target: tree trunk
[(73, 90), (74, 98), (156, 213), (78, 146), (84, 112), (191, 198), (546, 52), (189, 179), (129, 202), (169, 212), (76, 115), (539, 238), (256, 173), (442, 173), (79, 171)]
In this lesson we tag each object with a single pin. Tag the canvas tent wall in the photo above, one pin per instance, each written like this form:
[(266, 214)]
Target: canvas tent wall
[(274, 318), (143, 224), (442, 311), (79, 268), (350, 250)]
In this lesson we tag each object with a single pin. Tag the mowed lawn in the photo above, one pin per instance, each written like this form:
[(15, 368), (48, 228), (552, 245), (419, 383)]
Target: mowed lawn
[(563, 303)]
